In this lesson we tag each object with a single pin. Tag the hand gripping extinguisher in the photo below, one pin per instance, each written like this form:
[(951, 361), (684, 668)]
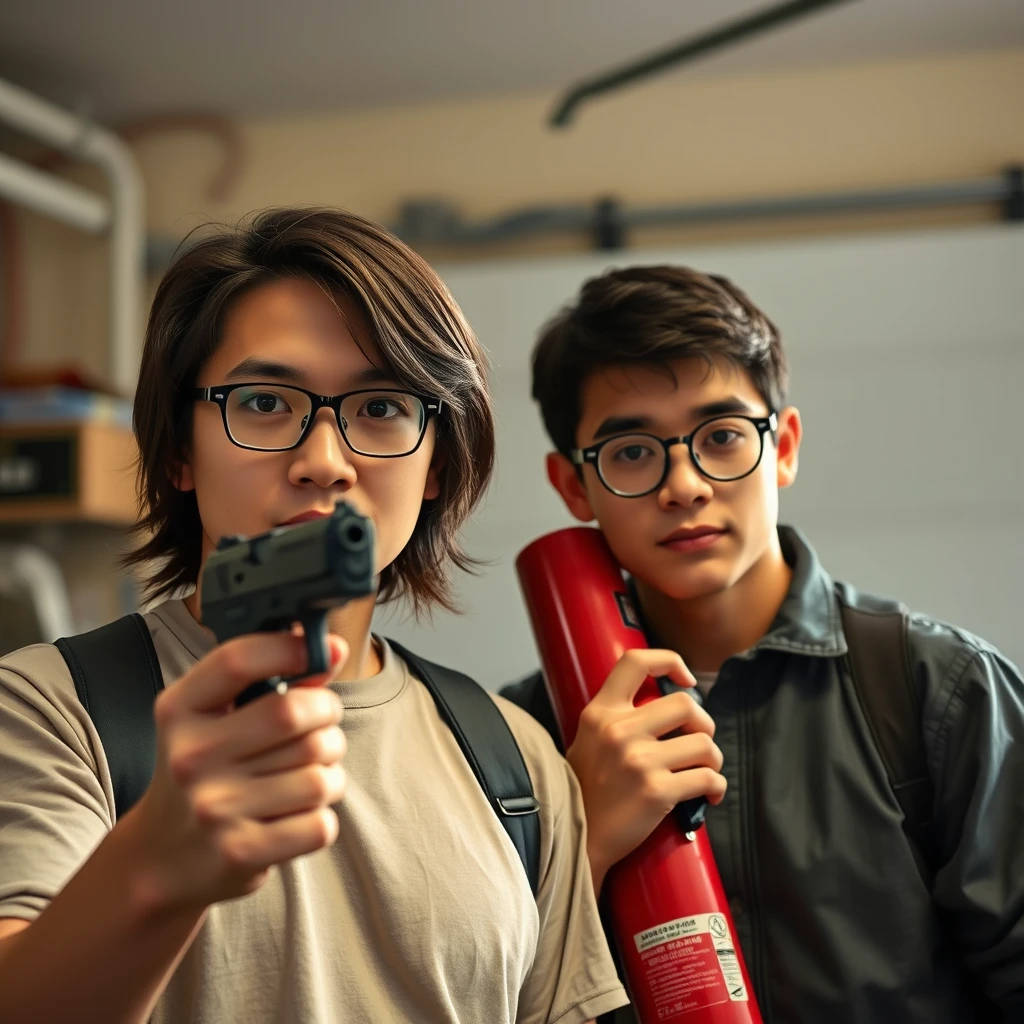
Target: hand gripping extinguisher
[(669, 911)]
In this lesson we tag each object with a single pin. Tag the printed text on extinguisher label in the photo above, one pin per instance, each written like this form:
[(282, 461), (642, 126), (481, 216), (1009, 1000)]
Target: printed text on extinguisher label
[(690, 964)]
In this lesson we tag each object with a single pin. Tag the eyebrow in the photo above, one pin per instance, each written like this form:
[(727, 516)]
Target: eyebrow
[(733, 405), (254, 369)]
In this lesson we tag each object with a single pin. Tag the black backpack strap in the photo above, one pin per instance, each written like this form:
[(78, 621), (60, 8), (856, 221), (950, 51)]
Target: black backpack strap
[(491, 750), (882, 674), (117, 677)]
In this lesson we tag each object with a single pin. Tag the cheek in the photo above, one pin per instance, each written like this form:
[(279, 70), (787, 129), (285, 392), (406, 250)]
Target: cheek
[(761, 498), (395, 494), (619, 520), (233, 487)]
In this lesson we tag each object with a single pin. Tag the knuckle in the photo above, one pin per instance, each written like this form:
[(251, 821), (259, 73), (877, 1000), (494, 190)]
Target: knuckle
[(325, 707), (330, 744), (651, 790), (685, 704), (634, 761), (184, 762), (286, 712), (313, 747), (317, 784), (612, 735), (325, 827), (235, 850), (707, 749), (336, 708), (334, 783), (207, 806), (711, 781), (590, 717), (233, 663)]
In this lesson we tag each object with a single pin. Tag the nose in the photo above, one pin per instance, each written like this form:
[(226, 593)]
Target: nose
[(323, 458), (684, 486)]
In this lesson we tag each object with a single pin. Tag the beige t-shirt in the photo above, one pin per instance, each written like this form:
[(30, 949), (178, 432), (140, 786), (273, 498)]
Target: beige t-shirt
[(420, 912)]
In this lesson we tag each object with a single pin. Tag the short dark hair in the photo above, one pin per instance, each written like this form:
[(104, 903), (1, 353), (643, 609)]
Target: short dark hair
[(421, 334), (653, 315)]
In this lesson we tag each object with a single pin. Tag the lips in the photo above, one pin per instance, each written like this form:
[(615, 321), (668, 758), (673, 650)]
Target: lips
[(691, 533), (304, 517)]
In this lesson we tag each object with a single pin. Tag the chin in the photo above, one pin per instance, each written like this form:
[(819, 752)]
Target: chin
[(690, 585)]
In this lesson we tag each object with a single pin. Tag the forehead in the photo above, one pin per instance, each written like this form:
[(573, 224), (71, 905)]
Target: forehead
[(295, 321), (665, 392)]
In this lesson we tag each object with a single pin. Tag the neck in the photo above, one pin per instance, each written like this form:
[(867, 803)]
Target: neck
[(708, 630), (351, 623)]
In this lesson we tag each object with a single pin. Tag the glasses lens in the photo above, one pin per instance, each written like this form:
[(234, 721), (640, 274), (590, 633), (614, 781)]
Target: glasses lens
[(383, 422), (267, 416), (632, 464), (727, 448)]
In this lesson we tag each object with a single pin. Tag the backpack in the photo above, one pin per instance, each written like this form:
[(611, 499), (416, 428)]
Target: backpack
[(878, 663), (117, 677)]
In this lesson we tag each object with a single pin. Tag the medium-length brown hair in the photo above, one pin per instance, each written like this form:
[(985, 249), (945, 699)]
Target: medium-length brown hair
[(423, 341), (651, 315)]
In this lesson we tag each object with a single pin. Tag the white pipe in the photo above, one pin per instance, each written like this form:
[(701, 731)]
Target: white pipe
[(53, 196), (89, 142)]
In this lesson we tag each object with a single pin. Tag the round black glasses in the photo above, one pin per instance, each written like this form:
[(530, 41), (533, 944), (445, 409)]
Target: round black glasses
[(724, 448)]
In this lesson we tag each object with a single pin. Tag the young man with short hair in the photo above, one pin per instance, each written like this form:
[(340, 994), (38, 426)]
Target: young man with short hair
[(305, 357), (664, 393)]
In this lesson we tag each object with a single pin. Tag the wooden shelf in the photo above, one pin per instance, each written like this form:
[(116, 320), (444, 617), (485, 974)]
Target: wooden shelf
[(97, 461)]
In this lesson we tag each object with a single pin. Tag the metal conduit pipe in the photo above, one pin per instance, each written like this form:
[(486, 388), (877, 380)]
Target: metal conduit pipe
[(439, 222), (88, 142), (708, 42)]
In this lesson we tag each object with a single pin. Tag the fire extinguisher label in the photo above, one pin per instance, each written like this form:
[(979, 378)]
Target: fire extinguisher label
[(690, 964)]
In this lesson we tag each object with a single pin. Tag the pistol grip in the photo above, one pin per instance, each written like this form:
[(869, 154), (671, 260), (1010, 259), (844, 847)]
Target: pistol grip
[(315, 629)]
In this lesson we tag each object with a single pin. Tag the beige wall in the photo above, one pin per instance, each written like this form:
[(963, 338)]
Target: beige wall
[(681, 138)]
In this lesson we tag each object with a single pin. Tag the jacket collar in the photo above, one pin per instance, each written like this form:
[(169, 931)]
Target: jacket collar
[(808, 622)]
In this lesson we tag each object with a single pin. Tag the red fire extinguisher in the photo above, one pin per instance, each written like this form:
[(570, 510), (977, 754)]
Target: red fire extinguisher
[(669, 911)]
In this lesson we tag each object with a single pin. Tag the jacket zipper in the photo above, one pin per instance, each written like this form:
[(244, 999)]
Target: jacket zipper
[(750, 868)]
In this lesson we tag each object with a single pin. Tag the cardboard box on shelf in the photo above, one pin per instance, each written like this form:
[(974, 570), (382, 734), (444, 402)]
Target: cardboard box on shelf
[(59, 471)]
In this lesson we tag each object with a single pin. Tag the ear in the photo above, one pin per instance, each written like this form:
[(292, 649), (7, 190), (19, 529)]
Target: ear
[(432, 486), (788, 445), (566, 480)]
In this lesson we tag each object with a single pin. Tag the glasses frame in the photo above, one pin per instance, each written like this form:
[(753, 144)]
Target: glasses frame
[(219, 396), (764, 424)]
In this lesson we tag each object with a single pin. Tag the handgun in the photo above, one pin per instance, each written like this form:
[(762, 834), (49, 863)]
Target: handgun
[(267, 582)]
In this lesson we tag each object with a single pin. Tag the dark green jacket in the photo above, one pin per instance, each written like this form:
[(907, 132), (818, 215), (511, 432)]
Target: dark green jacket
[(836, 920)]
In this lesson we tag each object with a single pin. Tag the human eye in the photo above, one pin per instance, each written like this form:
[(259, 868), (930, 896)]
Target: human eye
[(722, 437), (630, 450), (262, 402), (386, 407), (726, 435)]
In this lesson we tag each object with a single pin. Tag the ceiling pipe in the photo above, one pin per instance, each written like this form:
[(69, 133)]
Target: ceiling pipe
[(89, 142), (438, 222), (733, 32), (36, 190)]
